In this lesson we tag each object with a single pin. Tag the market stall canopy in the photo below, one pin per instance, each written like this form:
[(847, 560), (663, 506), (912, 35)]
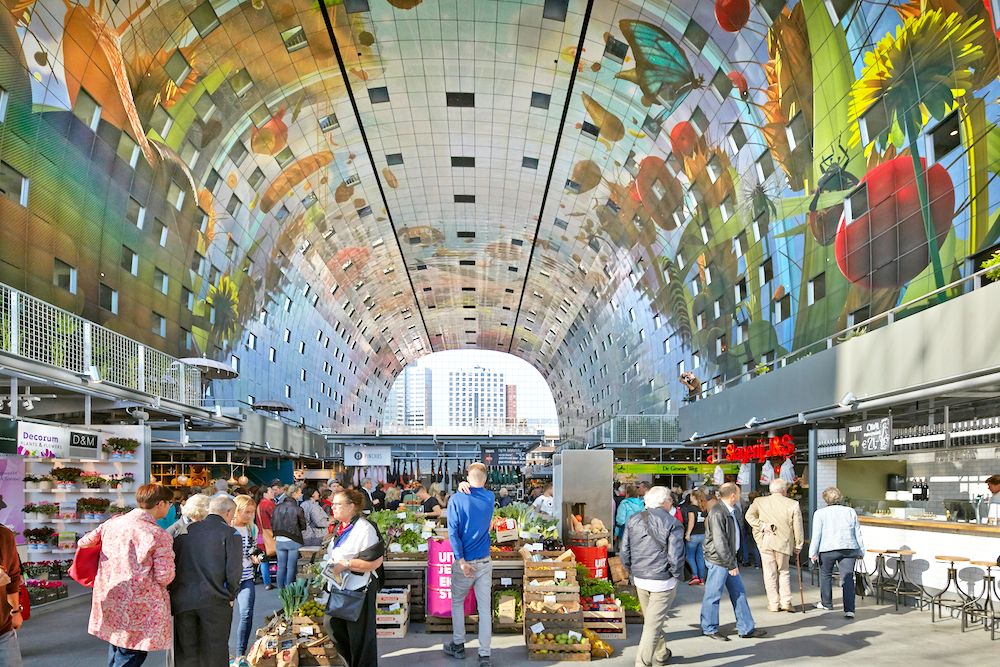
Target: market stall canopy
[(211, 369)]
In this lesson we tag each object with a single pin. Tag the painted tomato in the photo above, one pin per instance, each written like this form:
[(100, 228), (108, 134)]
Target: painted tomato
[(739, 83), (659, 191), (823, 224), (732, 14), (683, 138), (885, 245)]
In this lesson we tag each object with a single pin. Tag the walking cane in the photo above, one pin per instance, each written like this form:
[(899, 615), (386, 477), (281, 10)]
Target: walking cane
[(802, 594)]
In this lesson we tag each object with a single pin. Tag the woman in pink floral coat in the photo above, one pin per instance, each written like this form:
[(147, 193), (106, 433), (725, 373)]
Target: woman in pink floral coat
[(131, 607)]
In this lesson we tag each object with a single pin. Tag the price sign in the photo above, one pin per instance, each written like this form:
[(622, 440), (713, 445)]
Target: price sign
[(422, 547), (574, 635), (869, 438), (394, 606), (306, 631), (559, 574), (550, 599), (426, 534), (538, 627), (534, 546), (401, 515), (532, 583), (598, 598), (395, 548), (506, 581)]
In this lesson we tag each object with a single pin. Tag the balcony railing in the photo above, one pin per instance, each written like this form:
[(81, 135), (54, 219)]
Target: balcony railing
[(636, 428), (40, 332)]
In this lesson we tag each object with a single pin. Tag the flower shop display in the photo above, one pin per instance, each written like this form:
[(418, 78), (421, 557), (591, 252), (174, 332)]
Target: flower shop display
[(117, 510), (39, 570), (94, 480), (122, 482), (31, 482), (39, 539), (41, 591), (40, 511), (121, 448), (93, 509)]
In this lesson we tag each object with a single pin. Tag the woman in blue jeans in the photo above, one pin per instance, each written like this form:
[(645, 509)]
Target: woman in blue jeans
[(694, 537), (836, 540), (287, 523), (243, 522)]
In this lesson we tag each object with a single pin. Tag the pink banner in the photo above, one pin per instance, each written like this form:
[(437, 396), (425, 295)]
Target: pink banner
[(439, 561), (12, 495)]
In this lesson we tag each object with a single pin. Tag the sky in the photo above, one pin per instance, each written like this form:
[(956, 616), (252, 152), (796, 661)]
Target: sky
[(534, 399)]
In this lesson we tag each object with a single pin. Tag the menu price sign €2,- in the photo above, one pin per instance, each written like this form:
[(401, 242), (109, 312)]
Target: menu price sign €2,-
[(872, 437)]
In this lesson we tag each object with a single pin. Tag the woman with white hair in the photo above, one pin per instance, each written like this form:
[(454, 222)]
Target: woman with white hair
[(195, 508), (836, 540)]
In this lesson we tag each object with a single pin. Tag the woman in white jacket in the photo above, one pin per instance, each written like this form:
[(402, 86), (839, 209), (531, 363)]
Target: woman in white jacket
[(836, 539)]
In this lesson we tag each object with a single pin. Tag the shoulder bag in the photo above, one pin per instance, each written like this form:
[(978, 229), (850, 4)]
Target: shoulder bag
[(85, 564)]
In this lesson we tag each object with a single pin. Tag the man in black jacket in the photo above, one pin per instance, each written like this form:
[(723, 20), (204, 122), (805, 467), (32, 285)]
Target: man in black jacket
[(652, 549), (209, 565), (722, 543)]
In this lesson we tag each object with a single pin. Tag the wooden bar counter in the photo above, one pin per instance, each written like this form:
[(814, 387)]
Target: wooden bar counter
[(930, 539)]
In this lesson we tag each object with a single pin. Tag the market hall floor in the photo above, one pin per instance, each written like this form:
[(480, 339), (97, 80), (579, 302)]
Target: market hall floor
[(878, 636)]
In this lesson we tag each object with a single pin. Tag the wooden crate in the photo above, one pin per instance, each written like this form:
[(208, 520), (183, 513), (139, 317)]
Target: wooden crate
[(389, 595), (403, 575), (586, 539), (569, 601), (556, 624), (619, 574), (433, 624), (322, 656), (607, 624), (391, 631)]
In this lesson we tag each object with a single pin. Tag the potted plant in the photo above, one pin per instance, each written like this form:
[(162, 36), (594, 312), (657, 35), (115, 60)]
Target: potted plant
[(46, 511), (31, 512), (39, 570), (31, 482), (126, 481), (39, 538), (121, 448), (92, 509), (45, 483), (93, 480), (116, 510), (66, 477)]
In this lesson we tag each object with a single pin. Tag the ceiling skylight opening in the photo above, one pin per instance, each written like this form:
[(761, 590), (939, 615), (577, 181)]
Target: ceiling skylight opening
[(294, 39), (328, 123), (460, 99)]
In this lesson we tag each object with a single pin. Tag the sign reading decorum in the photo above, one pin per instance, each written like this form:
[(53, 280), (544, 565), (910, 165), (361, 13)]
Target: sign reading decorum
[(50, 442), (363, 455), (872, 437)]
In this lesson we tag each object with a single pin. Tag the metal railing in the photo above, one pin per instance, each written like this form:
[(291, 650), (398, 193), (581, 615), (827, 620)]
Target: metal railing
[(38, 331), (636, 428), (957, 288)]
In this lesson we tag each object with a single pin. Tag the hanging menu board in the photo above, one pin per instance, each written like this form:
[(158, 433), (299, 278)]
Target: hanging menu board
[(872, 437), (502, 456)]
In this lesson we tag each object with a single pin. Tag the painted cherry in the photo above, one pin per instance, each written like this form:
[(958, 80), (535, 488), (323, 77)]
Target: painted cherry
[(739, 83), (886, 246), (732, 14), (271, 137), (683, 138)]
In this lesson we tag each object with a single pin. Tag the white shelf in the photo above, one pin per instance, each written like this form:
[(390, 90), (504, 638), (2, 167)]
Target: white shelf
[(45, 521), (53, 491)]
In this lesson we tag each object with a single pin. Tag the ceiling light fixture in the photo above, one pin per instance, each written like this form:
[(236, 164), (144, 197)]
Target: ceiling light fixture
[(753, 421), (848, 401)]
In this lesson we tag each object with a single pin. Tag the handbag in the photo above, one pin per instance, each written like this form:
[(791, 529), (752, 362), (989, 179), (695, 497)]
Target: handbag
[(85, 564), (346, 604)]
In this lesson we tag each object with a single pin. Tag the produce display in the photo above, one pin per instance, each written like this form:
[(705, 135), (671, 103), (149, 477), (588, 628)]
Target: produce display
[(598, 647), (310, 608)]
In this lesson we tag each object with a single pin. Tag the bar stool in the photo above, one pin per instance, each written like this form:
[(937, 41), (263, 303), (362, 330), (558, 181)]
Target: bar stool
[(899, 585), (962, 599), (984, 604), (881, 575)]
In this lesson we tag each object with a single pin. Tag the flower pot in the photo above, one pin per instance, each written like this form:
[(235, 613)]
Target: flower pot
[(45, 485), (31, 486), (128, 455), (126, 487), (116, 456)]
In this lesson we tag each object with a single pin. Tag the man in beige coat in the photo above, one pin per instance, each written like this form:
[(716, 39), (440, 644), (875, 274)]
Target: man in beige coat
[(777, 528)]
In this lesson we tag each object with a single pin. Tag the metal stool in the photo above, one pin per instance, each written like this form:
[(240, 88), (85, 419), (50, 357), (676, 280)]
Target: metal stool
[(983, 607), (901, 587), (962, 599), (881, 575)]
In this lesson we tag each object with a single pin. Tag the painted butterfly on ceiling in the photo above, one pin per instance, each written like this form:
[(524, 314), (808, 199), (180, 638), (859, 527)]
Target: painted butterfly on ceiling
[(662, 71)]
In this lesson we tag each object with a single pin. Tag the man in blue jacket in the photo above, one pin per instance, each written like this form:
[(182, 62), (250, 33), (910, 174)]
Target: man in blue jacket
[(653, 550), (469, 518)]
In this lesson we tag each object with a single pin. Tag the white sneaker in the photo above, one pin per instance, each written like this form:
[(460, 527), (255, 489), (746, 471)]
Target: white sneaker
[(819, 605), (848, 614)]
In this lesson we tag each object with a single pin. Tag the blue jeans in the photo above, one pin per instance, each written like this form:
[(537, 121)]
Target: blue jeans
[(827, 559), (696, 556), (265, 571), (718, 579), (124, 657), (288, 561), (10, 652), (244, 603)]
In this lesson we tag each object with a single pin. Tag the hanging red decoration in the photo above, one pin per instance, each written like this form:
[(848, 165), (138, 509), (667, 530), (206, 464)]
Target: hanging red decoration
[(683, 138), (732, 14), (739, 83)]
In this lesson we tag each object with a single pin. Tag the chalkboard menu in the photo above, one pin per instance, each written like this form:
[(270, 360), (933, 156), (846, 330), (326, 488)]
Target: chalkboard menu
[(872, 437), (502, 456)]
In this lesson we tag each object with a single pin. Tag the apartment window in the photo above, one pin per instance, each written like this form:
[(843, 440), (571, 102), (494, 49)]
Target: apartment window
[(721, 345), (765, 166), (204, 19), (816, 289), (287, 337), (251, 341), (783, 308), (234, 205), (256, 177), (272, 354), (130, 260), (161, 281), (238, 153), (737, 137), (766, 271), (128, 150), (875, 122), (175, 195), (666, 346), (797, 131), (4, 100), (695, 360), (161, 233), (742, 332), (302, 374), (288, 391), (858, 316), (302, 347), (13, 184), (87, 109), (187, 298), (944, 138), (107, 298), (198, 263), (64, 276), (741, 290), (188, 339), (159, 325), (234, 361), (135, 213)]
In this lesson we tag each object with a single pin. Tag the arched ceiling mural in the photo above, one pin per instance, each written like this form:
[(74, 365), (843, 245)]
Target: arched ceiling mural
[(614, 191)]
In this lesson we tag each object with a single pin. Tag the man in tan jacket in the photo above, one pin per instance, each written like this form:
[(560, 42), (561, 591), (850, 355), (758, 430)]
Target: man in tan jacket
[(777, 528)]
